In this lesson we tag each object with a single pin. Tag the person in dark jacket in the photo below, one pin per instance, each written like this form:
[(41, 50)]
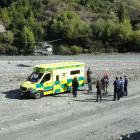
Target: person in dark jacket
[(116, 89), (99, 90), (103, 85), (89, 72), (121, 87), (89, 79), (75, 86), (125, 85)]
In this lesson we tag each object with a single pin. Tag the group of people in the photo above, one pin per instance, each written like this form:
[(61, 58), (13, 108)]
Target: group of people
[(120, 86), (102, 86)]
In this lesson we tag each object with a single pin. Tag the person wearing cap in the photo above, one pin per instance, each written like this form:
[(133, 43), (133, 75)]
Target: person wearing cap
[(125, 85), (75, 86)]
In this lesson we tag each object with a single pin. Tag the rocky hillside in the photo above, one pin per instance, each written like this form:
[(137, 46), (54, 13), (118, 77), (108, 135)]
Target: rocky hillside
[(82, 26)]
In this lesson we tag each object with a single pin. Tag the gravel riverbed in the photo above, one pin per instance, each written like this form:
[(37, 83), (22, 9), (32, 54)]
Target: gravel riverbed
[(62, 117)]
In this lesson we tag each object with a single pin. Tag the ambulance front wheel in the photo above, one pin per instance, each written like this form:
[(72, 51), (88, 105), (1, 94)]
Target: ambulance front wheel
[(38, 95)]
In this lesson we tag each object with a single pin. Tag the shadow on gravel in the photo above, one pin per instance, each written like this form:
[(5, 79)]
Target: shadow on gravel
[(93, 100), (110, 95), (132, 136), (13, 94), (22, 65), (86, 100), (59, 96), (88, 93)]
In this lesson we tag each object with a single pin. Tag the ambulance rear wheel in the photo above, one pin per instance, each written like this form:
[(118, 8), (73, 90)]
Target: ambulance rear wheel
[(38, 95)]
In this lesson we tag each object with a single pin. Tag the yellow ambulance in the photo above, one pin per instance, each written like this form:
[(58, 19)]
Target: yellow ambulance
[(52, 78)]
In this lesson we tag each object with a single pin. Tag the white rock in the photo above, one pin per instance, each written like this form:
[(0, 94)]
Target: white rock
[(35, 119), (120, 138), (1, 128)]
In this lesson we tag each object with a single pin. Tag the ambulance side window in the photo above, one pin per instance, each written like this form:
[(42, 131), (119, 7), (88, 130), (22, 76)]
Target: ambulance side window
[(46, 78), (57, 77), (75, 72)]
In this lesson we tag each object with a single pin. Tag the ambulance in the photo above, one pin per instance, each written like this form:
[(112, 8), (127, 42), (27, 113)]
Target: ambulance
[(54, 78)]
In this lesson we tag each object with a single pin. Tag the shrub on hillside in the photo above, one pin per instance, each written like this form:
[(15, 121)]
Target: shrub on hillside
[(69, 26), (2, 49), (124, 31), (28, 40), (135, 41), (64, 50), (10, 50), (76, 49)]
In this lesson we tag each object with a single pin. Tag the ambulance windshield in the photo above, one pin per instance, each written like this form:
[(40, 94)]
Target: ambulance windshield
[(35, 77)]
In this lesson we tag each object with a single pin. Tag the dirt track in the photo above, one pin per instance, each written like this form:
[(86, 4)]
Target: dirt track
[(61, 117)]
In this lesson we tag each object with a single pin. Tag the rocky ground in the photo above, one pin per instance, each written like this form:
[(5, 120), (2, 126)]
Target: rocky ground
[(62, 117)]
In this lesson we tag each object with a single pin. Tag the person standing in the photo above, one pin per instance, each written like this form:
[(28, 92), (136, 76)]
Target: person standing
[(116, 89), (99, 90), (103, 81), (75, 86), (121, 87), (125, 85), (89, 79), (106, 79), (89, 72)]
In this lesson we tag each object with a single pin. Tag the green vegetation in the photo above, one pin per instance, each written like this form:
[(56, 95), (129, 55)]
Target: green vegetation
[(84, 26), (69, 27)]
